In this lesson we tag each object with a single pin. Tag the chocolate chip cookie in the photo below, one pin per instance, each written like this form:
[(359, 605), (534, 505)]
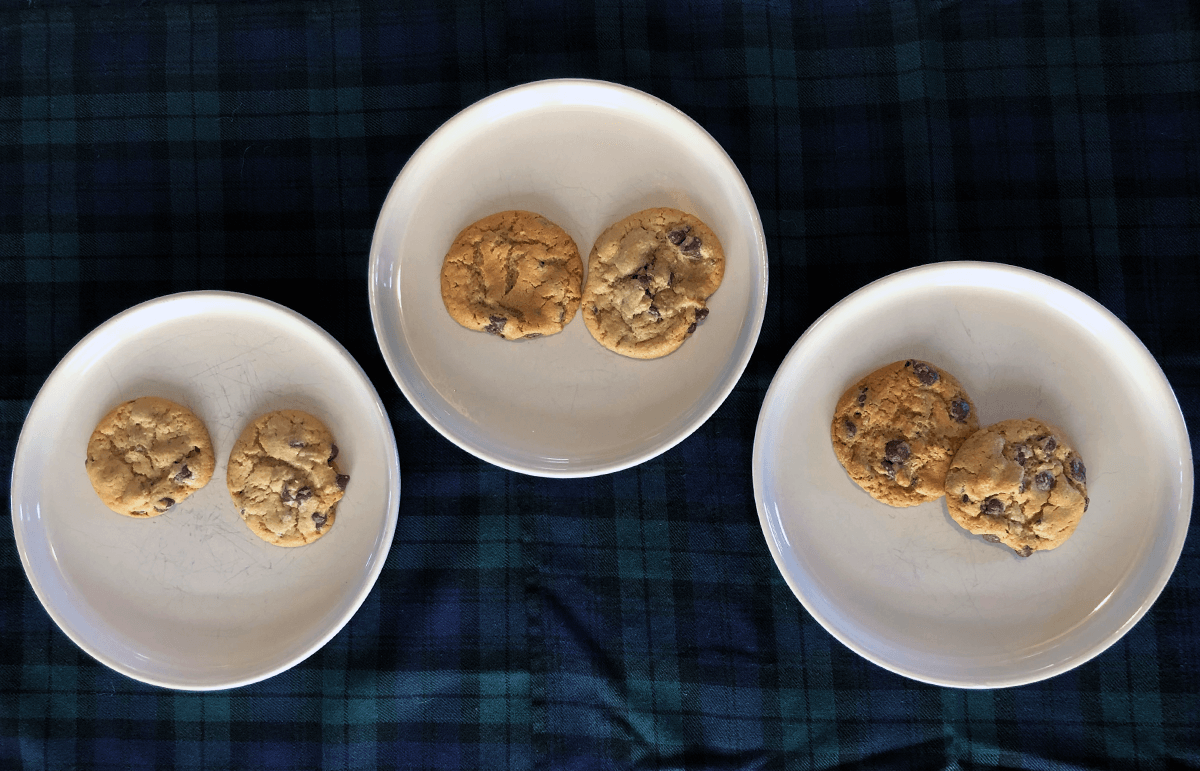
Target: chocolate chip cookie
[(514, 274), (896, 430), (284, 478), (147, 455), (649, 277), (1019, 483)]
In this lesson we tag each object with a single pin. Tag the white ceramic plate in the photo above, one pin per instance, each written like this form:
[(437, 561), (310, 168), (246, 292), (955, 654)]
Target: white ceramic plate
[(907, 588), (584, 154), (192, 599)]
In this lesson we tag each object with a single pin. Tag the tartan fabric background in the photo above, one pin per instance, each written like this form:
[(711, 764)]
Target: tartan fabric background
[(633, 620)]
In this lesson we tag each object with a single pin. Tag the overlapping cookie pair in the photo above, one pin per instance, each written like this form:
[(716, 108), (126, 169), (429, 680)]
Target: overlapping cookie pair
[(149, 454), (908, 433), (517, 275)]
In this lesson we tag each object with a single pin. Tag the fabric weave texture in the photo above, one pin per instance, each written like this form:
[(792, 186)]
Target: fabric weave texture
[(635, 620)]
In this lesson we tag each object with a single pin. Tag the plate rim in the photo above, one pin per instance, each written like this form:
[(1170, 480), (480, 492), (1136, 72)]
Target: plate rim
[(38, 405), (377, 279), (1165, 569)]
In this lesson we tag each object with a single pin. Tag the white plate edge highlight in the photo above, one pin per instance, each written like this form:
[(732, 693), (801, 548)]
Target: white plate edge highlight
[(775, 540), (378, 559), (378, 283)]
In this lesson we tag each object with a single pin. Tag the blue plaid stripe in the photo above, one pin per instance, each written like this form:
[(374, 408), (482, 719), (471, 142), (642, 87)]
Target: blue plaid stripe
[(634, 620)]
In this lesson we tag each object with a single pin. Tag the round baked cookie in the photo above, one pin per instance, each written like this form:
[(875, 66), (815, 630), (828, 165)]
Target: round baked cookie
[(1019, 483), (147, 455), (284, 479), (896, 430), (514, 274), (649, 277)]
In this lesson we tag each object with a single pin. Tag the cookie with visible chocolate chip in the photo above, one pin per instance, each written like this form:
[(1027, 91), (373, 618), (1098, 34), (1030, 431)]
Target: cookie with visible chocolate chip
[(896, 430), (649, 278), (514, 274), (1019, 483), (147, 455), (284, 479)]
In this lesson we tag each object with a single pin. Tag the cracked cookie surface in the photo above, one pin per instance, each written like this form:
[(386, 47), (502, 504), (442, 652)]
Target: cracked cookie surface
[(896, 430), (1019, 483), (147, 455), (514, 274), (284, 479), (649, 278)]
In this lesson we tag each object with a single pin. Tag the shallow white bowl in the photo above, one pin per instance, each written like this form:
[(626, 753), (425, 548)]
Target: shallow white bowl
[(906, 587), (192, 599), (583, 154)]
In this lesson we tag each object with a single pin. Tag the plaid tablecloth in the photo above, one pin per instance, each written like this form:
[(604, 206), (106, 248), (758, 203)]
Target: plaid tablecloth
[(634, 620)]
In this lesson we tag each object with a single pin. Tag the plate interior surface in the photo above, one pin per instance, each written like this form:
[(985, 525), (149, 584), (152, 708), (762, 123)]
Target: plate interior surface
[(906, 587), (192, 598), (584, 154)]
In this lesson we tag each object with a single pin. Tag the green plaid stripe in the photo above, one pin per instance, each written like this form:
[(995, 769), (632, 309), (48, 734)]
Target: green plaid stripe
[(634, 620)]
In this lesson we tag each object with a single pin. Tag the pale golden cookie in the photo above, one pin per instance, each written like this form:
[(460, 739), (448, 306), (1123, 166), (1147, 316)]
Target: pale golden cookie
[(649, 277), (896, 430), (514, 274), (1020, 483), (147, 455), (283, 478)]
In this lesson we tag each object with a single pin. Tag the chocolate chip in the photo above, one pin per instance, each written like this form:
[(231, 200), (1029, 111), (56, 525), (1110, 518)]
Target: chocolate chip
[(862, 396), (896, 451), (925, 373), (701, 314), (992, 507), (690, 246), (1050, 446), (849, 427), (1078, 472), (691, 327), (889, 468), (319, 519), (1025, 551), (497, 325), (960, 409), (303, 494), (991, 538), (342, 480), (296, 443), (1021, 454), (671, 279), (966, 498), (532, 335), (285, 494), (182, 474), (1086, 501), (1044, 481), (676, 236), (654, 312), (164, 504), (138, 513), (333, 453)]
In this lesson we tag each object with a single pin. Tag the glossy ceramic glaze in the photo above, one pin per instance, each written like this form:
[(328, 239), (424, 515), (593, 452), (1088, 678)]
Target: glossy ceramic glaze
[(584, 154), (906, 587), (192, 599)]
